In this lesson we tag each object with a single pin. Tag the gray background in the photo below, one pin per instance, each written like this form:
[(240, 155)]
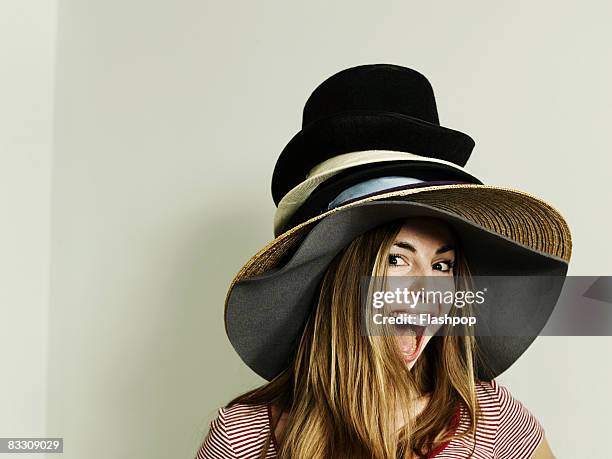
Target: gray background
[(137, 141)]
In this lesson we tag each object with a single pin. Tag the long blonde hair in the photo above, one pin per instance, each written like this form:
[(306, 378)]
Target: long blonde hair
[(343, 389)]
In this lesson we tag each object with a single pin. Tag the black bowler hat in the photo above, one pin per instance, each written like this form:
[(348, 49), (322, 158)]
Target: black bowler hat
[(374, 106)]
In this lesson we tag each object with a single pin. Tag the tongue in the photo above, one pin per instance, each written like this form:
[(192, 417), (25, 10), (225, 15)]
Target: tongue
[(407, 343)]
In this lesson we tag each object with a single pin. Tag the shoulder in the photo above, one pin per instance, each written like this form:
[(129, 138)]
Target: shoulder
[(237, 415), (517, 431), (236, 431), (487, 392)]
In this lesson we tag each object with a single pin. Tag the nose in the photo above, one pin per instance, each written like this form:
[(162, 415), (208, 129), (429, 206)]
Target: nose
[(420, 277), (423, 276), (424, 279)]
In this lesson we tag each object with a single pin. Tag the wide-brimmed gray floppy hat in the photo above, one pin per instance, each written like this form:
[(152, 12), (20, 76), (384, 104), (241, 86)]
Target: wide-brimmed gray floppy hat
[(503, 232), (342, 192)]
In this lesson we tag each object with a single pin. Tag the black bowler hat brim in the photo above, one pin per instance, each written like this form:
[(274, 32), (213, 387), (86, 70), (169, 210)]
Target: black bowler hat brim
[(503, 232), (356, 130)]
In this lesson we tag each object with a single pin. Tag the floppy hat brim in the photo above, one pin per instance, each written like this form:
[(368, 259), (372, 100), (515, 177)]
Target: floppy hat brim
[(355, 130), (504, 231), (370, 163)]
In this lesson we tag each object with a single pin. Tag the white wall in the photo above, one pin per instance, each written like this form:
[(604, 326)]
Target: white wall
[(169, 117), (27, 58)]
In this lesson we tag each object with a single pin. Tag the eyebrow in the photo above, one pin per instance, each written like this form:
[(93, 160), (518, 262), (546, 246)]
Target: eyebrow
[(409, 246)]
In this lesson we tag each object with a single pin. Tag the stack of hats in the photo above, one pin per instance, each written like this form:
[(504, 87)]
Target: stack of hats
[(371, 150)]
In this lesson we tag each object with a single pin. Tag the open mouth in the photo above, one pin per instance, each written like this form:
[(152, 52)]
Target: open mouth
[(410, 338)]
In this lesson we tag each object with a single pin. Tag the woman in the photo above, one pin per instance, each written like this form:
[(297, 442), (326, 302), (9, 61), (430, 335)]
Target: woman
[(360, 193), (308, 411)]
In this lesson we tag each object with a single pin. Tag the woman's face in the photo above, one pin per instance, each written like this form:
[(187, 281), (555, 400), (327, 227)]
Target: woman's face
[(423, 247)]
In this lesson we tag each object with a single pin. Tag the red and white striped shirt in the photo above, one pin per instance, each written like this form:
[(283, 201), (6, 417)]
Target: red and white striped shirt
[(506, 430)]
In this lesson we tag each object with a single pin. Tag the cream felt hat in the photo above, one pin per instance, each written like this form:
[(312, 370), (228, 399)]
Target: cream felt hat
[(329, 168)]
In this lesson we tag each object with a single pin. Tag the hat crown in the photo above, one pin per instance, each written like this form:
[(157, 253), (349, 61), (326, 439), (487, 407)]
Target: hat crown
[(367, 107), (374, 87)]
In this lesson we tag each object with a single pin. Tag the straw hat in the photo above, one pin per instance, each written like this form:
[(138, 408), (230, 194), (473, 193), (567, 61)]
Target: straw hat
[(326, 199)]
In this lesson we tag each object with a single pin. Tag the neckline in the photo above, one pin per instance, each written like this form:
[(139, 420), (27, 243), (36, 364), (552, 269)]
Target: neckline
[(438, 450), (454, 427)]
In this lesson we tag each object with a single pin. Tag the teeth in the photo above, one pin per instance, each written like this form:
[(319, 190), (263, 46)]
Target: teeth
[(400, 313)]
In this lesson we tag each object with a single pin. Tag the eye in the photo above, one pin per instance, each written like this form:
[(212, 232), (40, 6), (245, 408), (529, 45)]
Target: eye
[(444, 265), (395, 259)]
